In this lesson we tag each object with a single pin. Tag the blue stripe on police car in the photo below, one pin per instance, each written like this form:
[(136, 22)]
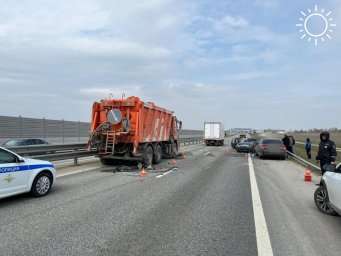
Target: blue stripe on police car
[(23, 168)]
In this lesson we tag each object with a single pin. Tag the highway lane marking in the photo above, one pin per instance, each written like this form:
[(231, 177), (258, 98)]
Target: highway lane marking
[(206, 153), (71, 173), (161, 175), (262, 234)]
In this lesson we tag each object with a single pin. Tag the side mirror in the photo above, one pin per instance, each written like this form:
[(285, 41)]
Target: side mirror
[(329, 168), (20, 160)]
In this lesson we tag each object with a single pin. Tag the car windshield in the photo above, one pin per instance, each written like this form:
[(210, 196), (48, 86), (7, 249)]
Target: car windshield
[(14, 142)]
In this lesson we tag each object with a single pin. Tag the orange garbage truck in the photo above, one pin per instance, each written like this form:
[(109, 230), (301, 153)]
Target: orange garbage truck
[(130, 129)]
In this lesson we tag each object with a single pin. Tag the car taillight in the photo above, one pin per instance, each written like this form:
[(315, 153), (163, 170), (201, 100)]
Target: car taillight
[(264, 147), (283, 148)]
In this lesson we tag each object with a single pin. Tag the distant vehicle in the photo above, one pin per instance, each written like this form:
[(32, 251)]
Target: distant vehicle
[(245, 147), (234, 142), (327, 196), (20, 175), (267, 147), (214, 133), (24, 142), (242, 135)]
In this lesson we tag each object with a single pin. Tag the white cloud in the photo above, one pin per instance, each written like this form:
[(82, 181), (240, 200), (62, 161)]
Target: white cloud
[(238, 29), (229, 21), (247, 76), (267, 3), (116, 91)]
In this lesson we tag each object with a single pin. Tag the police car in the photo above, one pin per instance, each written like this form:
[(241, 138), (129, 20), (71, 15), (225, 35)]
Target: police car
[(20, 175)]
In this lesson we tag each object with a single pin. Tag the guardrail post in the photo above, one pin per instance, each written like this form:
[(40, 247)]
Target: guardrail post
[(20, 127), (79, 132), (63, 129), (75, 158), (44, 125)]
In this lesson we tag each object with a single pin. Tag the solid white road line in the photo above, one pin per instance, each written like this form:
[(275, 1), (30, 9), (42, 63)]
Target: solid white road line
[(206, 153), (85, 170), (262, 234), (161, 175)]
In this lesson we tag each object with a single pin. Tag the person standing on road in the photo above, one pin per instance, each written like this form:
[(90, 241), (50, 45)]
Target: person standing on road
[(292, 144), (286, 142), (308, 148), (326, 152)]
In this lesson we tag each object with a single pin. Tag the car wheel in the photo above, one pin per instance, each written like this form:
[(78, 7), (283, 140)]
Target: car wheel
[(261, 157), (41, 185), (158, 155), (322, 201)]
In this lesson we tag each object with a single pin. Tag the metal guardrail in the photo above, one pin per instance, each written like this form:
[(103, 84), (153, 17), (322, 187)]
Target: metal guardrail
[(71, 151), (188, 141), (55, 152), (303, 161), (314, 145)]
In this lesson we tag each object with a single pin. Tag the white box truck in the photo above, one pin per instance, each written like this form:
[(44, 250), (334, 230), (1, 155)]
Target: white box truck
[(214, 133)]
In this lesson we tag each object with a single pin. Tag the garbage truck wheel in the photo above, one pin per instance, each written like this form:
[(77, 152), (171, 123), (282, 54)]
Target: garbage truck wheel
[(158, 155), (148, 156)]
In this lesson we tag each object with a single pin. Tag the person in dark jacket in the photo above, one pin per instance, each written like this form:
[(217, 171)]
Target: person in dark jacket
[(286, 142), (326, 152), (308, 148), (292, 143)]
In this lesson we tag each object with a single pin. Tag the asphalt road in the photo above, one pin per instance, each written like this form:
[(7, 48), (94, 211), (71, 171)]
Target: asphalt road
[(203, 208)]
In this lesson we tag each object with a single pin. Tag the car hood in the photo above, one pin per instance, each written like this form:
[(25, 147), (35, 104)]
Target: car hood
[(31, 161)]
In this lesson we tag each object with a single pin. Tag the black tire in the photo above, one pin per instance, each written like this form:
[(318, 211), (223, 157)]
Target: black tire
[(41, 185), (261, 157), (107, 161), (322, 201), (148, 156), (158, 154)]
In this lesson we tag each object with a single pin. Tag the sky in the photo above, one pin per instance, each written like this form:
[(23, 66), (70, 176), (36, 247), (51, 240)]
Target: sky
[(239, 62)]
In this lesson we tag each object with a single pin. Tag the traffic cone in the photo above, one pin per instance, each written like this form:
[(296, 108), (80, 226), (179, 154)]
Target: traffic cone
[(143, 173), (173, 163), (307, 176)]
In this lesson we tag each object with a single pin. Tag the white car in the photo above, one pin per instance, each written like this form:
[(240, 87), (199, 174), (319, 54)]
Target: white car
[(328, 195), (20, 175)]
